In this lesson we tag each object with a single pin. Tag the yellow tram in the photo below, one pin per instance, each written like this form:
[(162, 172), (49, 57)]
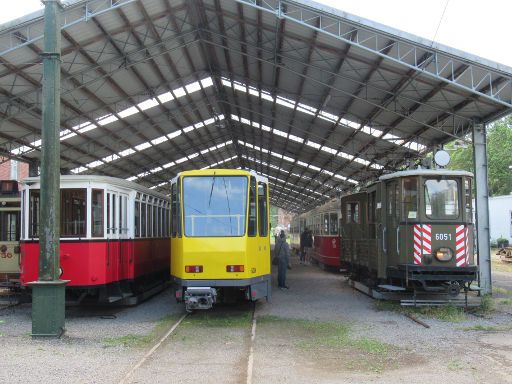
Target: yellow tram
[(220, 243)]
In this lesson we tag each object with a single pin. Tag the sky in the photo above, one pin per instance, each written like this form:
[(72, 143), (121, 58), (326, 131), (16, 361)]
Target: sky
[(474, 26)]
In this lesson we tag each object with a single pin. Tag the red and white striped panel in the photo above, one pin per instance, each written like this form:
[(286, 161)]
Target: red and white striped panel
[(417, 244), (460, 245), (427, 239)]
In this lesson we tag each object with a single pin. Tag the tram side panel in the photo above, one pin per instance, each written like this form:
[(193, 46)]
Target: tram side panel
[(109, 252)]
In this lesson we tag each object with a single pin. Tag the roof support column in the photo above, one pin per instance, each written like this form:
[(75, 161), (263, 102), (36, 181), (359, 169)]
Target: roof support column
[(48, 293), (482, 207)]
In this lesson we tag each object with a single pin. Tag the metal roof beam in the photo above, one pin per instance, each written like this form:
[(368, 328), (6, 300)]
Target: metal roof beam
[(404, 52)]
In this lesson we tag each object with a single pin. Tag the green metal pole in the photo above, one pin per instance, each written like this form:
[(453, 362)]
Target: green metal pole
[(48, 293)]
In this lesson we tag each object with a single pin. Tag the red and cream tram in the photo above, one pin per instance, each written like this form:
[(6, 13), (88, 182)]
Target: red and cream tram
[(323, 221), (114, 236)]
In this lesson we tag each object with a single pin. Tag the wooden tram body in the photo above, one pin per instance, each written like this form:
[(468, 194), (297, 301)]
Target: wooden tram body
[(9, 233), (323, 221), (220, 242), (114, 237), (411, 229)]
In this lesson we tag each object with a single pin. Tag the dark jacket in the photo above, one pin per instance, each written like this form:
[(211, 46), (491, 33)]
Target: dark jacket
[(306, 240), (282, 249)]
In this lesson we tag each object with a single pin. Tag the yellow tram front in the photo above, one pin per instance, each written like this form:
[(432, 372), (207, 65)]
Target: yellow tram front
[(220, 244)]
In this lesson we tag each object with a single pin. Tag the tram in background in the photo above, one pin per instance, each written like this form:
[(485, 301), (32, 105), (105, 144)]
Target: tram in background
[(114, 237), (9, 234), (411, 230), (220, 237), (323, 222)]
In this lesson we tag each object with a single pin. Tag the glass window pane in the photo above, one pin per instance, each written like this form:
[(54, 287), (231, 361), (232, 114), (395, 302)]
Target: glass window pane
[(214, 205), (262, 207), (97, 213), (441, 199), (137, 219), (467, 193), (143, 220), (252, 208), (325, 226), (35, 198), (109, 228), (333, 223), (174, 222), (73, 210), (410, 198)]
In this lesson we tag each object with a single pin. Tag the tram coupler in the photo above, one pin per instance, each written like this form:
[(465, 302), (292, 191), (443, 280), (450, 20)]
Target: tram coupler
[(199, 298)]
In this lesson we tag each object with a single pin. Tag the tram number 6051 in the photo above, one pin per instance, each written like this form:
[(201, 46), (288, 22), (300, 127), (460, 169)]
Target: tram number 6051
[(443, 236)]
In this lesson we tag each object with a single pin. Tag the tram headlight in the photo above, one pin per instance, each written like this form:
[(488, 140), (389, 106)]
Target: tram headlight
[(444, 254)]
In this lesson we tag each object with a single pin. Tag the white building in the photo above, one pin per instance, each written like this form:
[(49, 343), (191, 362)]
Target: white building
[(500, 217)]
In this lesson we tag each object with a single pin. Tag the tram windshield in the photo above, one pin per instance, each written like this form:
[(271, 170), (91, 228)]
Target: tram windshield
[(441, 199), (214, 206)]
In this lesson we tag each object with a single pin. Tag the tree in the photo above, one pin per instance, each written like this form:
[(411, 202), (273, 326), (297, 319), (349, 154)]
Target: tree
[(499, 157)]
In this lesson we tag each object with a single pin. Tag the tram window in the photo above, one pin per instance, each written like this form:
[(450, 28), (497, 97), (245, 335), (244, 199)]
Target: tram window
[(325, 226), (120, 216), (391, 192), (178, 208), (33, 221), (262, 206), (372, 207), (252, 207), (124, 226), (467, 195), (155, 221), (166, 221), (97, 213), (114, 214), (9, 225), (352, 215), (8, 187), (73, 208), (174, 227), (397, 201), (215, 206), (441, 199), (333, 223), (410, 198), (137, 219), (143, 220), (109, 228), (23, 210)]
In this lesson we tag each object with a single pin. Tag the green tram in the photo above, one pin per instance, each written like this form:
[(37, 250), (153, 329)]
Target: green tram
[(411, 230), (9, 234)]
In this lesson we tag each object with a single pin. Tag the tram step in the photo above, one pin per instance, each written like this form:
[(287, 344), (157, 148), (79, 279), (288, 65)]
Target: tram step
[(394, 288), (475, 288)]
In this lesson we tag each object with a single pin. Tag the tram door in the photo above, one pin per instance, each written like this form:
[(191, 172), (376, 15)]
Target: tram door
[(117, 231), (392, 223)]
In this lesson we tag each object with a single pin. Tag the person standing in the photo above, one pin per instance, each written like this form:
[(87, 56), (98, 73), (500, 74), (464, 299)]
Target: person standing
[(308, 244), (302, 252), (282, 250)]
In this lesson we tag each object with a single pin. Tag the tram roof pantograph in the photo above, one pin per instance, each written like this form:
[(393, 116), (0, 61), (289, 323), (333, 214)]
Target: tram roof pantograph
[(313, 98)]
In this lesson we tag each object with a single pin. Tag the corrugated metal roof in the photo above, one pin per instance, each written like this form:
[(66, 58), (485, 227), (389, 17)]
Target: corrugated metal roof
[(315, 99)]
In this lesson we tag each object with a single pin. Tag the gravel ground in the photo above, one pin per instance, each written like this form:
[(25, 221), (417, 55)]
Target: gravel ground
[(200, 352)]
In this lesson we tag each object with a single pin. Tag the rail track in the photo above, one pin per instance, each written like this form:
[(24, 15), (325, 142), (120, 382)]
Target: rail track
[(172, 330)]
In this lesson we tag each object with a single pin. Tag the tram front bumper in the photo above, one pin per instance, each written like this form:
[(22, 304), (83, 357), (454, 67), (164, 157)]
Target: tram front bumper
[(199, 298)]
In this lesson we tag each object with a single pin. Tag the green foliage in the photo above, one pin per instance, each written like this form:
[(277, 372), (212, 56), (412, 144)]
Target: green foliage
[(499, 156), (487, 305), (128, 341), (333, 335)]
